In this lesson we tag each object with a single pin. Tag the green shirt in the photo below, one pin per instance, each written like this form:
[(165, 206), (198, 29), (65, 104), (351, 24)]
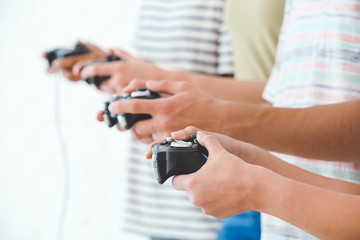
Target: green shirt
[(254, 28)]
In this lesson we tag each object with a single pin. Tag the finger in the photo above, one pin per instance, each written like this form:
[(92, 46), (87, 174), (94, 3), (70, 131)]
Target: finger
[(167, 86), (79, 65), (160, 135), (67, 62), (142, 138), (180, 182), (120, 128), (123, 54), (144, 127), (135, 106), (210, 142), (105, 87), (149, 149), (100, 69), (185, 133), (99, 116), (133, 85), (69, 75)]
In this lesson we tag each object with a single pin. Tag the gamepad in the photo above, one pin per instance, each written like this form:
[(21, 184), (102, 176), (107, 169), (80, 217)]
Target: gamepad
[(97, 80), (127, 120), (175, 157), (63, 52)]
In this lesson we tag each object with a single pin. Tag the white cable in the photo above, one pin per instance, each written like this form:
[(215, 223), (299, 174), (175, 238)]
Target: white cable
[(64, 157)]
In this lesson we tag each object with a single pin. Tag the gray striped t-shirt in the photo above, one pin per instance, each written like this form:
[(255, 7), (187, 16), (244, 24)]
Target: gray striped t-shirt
[(186, 35)]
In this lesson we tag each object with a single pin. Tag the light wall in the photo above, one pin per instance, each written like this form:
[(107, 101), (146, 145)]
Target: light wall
[(31, 166)]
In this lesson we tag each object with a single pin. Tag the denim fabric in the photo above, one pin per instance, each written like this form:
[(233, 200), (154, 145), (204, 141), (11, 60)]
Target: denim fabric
[(245, 226)]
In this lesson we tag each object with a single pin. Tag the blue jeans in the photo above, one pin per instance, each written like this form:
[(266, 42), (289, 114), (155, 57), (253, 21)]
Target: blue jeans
[(245, 226)]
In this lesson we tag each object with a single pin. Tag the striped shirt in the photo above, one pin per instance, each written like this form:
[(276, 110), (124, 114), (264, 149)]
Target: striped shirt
[(186, 35), (318, 62)]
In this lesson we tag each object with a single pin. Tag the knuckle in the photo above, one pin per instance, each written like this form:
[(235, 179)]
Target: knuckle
[(191, 129), (198, 201), (184, 86), (207, 211)]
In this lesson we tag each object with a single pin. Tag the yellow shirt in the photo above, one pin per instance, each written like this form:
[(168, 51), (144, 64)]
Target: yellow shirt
[(254, 27)]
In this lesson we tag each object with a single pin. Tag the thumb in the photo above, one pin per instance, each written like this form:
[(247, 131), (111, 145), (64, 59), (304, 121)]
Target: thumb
[(123, 54), (167, 86), (210, 142)]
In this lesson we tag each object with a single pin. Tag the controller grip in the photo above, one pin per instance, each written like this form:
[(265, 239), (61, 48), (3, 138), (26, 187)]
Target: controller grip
[(180, 163)]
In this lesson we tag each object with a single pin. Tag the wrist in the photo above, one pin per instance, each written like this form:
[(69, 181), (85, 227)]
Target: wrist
[(239, 120), (272, 192)]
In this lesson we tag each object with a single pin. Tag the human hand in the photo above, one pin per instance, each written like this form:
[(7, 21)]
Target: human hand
[(120, 72), (66, 64), (100, 118), (247, 152), (185, 106), (224, 186)]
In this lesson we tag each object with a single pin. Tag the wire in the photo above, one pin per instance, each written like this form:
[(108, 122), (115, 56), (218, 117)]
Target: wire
[(64, 157)]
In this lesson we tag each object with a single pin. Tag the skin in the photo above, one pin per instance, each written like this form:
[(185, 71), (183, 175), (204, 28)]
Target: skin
[(227, 185), (65, 65), (233, 108), (120, 72), (328, 132)]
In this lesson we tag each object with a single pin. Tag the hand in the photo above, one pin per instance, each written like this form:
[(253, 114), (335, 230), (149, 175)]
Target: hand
[(66, 64), (100, 118), (247, 152), (223, 186), (120, 72), (186, 105)]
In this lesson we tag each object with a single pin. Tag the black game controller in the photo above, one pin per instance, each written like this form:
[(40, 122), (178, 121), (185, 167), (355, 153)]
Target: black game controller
[(97, 80), (175, 157), (79, 49), (127, 120)]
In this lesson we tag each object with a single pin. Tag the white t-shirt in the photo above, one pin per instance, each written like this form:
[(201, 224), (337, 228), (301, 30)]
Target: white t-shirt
[(317, 62)]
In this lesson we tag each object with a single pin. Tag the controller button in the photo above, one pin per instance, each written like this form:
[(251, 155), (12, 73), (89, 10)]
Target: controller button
[(140, 94), (122, 121), (181, 144)]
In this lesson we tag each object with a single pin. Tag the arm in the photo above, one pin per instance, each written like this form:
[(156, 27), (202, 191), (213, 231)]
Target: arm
[(131, 67), (243, 91), (226, 186), (330, 132), (323, 213), (257, 156)]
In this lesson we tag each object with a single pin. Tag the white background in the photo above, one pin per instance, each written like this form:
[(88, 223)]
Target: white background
[(31, 167)]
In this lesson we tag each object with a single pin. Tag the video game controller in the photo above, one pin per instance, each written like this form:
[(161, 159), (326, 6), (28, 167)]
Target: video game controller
[(97, 80), (175, 157), (79, 49), (127, 120)]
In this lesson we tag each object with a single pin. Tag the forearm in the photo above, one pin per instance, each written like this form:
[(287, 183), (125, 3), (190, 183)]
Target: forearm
[(323, 213), (330, 132), (225, 88), (266, 160)]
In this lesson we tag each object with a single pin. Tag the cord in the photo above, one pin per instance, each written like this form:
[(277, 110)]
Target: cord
[(64, 157)]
